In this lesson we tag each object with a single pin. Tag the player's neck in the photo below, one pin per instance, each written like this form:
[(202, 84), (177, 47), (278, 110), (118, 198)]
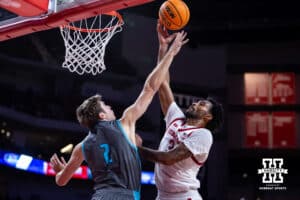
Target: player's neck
[(195, 122)]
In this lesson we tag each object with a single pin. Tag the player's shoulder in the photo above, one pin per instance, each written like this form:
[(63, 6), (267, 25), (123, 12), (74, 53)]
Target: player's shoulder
[(173, 112), (173, 106), (204, 133)]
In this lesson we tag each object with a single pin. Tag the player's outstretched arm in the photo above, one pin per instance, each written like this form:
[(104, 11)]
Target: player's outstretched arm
[(64, 171), (166, 96), (153, 82), (180, 152), (164, 39)]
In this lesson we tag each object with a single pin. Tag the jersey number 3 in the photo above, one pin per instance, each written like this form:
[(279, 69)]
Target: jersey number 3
[(106, 153)]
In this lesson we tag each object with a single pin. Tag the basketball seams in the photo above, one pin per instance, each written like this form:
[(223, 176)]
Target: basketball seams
[(164, 14), (178, 13), (163, 17), (187, 14)]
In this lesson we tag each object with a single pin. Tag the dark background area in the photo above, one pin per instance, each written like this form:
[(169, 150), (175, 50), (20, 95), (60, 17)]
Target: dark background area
[(227, 38)]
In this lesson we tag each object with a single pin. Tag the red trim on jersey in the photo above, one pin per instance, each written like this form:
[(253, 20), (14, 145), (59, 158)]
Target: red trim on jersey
[(189, 134), (196, 161), (187, 129), (175, 121)]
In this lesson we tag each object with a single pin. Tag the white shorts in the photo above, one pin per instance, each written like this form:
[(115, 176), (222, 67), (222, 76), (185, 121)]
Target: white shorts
[(189, 195)]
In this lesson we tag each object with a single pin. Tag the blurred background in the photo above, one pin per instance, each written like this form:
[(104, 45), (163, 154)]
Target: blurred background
[(243, 53)]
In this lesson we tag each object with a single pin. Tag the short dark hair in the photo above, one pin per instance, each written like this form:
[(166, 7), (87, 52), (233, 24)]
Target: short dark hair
[(217, 112), (88, 112)]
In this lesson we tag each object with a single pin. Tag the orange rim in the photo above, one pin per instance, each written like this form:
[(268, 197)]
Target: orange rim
[(111, 13)]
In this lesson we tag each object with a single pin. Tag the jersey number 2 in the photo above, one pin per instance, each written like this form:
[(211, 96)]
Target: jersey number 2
[(106, 152)]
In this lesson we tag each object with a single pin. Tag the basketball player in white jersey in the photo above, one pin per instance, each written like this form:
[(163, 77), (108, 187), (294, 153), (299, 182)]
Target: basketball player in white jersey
[(186, 143)]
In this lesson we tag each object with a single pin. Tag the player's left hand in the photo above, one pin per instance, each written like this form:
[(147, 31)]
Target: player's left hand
[(164, 37), (57, 164)]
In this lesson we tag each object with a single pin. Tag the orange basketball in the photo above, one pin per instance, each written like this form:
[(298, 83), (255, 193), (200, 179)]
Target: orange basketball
[(174, 14)]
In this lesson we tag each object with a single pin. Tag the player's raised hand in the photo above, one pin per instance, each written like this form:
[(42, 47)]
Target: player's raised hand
[(164, 37), (178, 42)]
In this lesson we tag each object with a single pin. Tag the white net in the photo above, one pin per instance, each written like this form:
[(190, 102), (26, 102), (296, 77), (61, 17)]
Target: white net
[(86, 40)]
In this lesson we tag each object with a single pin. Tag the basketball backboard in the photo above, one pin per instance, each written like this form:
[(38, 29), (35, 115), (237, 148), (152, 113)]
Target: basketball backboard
[(21, 17)]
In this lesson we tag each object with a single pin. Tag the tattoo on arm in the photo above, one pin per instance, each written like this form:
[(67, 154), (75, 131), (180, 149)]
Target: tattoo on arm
[(180, 152)]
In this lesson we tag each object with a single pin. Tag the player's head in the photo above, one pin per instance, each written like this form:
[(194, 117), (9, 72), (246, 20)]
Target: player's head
[(92, 110), (208, 110)]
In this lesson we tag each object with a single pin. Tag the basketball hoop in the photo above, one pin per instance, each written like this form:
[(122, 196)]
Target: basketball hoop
[(86, 40)]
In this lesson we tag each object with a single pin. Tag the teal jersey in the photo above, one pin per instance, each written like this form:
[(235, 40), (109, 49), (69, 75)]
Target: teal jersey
[(114, 161)]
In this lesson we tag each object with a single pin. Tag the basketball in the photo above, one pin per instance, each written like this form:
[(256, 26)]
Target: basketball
[(174, 14)]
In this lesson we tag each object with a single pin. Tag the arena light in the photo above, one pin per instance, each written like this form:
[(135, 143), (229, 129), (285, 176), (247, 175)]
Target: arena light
[(23, 162), (67, 149), (30, 164), (8, 134)]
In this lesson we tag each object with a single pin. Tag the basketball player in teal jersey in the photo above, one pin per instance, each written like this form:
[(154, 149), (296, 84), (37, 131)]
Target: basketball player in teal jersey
[(110, 147), (187, 141)]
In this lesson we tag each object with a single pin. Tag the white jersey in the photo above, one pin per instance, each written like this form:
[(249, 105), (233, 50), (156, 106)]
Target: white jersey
[(182, 176)]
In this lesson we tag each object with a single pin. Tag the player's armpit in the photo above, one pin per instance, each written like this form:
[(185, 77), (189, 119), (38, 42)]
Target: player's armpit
[(166, 96)]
